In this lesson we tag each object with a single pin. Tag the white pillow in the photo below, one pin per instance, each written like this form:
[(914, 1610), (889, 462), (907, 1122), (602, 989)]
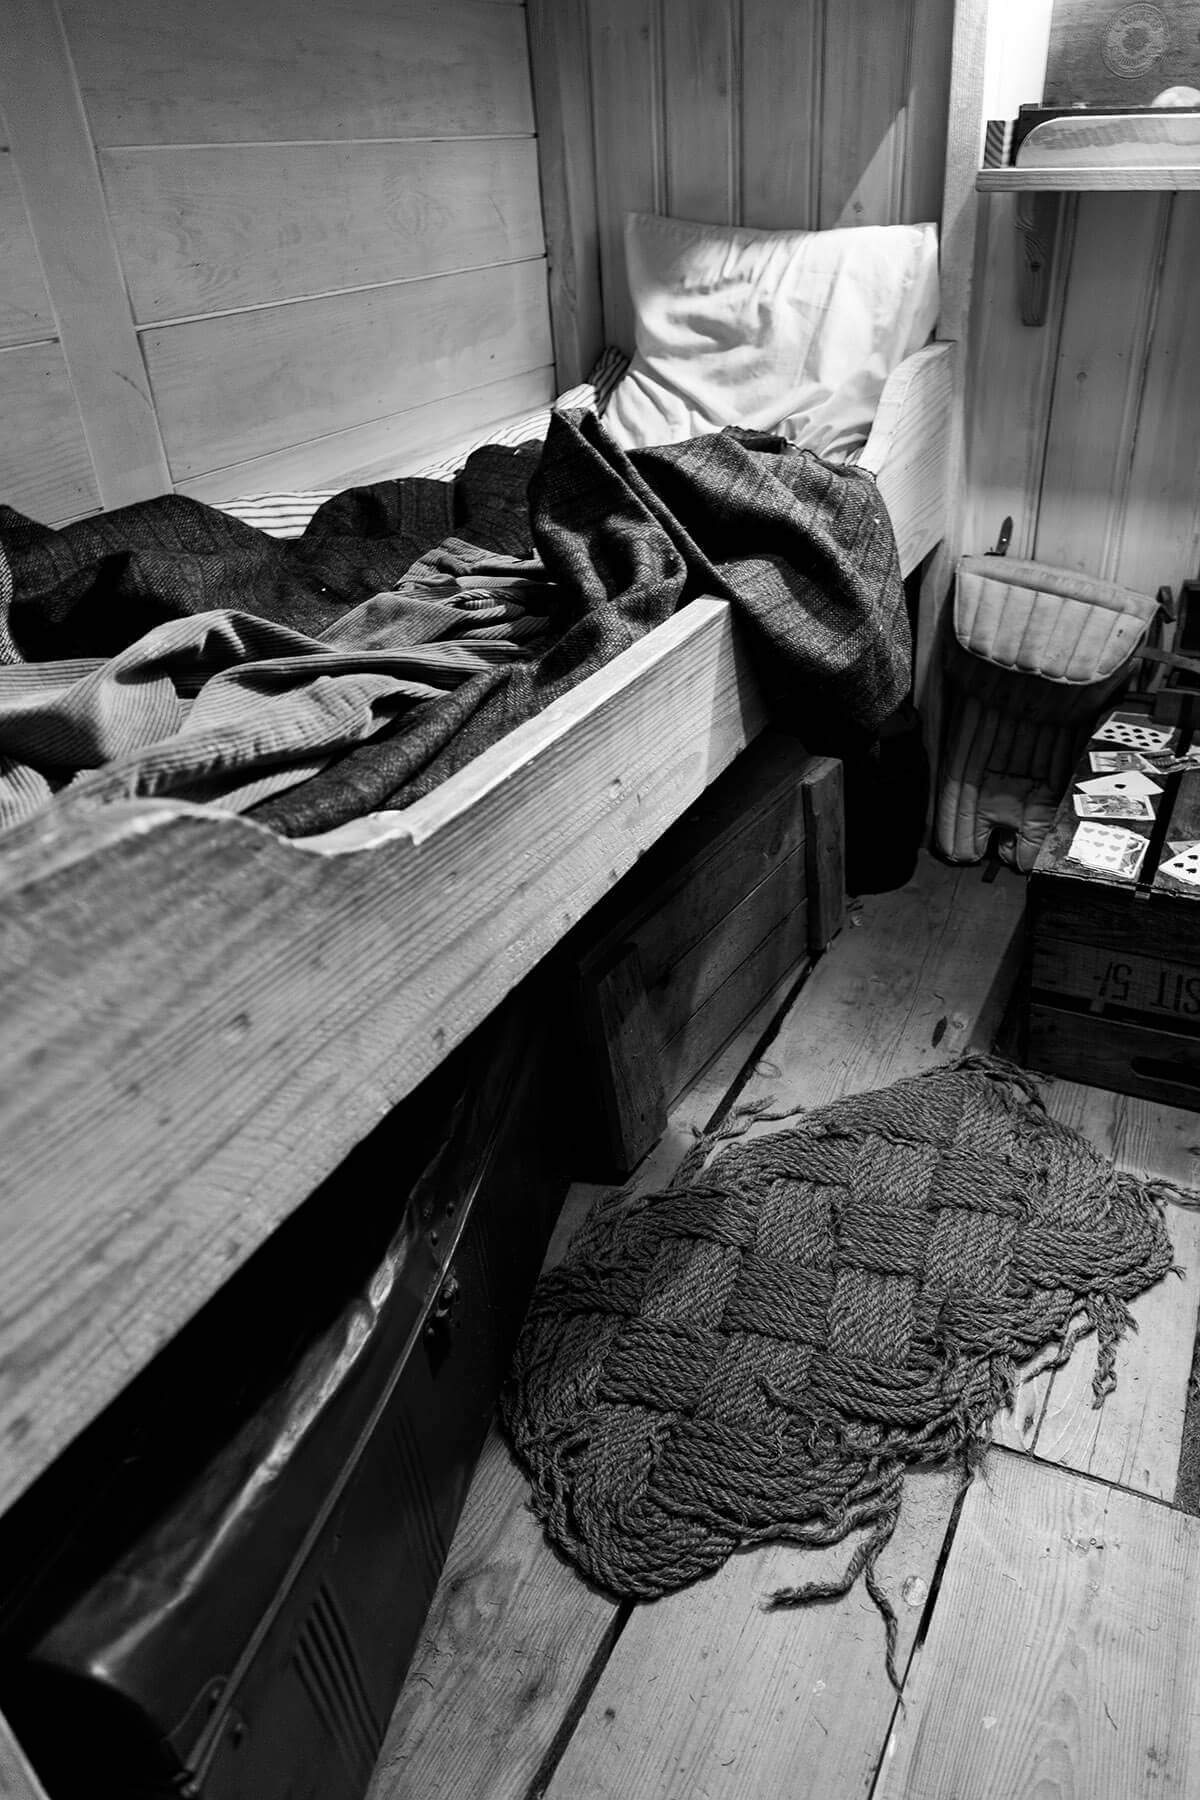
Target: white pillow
[(787, 331)]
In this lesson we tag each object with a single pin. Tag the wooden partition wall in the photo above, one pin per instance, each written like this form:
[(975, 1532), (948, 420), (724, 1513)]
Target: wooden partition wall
[(252, 244), (770, 113), (1084, 429)]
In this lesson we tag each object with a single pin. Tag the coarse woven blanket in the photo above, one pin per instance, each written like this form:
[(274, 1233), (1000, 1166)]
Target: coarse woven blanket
[(802, 548), (760, 1351)]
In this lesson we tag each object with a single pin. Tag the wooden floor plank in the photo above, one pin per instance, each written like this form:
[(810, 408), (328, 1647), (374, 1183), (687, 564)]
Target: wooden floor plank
[(1064, 1653), (926, 976), (1018, 1427), (711, 1695), (1141, 1135), (1135, 1437), (917, 976), (707, 1693), (509, 1638), (513, 1630)]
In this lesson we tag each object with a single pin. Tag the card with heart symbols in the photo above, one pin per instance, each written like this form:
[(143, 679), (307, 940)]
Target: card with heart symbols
[(1108, 848)]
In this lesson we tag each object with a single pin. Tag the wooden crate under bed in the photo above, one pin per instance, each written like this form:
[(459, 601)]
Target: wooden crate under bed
[(730, 905)]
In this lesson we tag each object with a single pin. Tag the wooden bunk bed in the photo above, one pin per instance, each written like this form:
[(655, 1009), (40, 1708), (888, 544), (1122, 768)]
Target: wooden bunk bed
[(203, 1019), (177, 1079)]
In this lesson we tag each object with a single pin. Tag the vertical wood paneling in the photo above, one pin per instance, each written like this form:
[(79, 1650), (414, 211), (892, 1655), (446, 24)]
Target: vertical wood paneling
[(171, 161), (25, 311), (863, 129), (782, 59), (57, 163), (1097, 382), (1009, 387), (701, 105), (961, 205), (560, 63), (45, 469), (1159, 532), (626, 65), (925, 106), (1084, 429), (778, 114)]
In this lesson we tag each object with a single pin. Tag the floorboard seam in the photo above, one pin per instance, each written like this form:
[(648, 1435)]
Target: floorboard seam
[(578, 1703), (770, 1032), (1187, 1485), (1121, 1487), (921, 1632)]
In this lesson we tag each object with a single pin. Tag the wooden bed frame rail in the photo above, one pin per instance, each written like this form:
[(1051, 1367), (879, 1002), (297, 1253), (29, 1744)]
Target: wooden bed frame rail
[(202, 1019)]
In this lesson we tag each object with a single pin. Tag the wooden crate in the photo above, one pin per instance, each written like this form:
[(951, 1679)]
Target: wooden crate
[(1111, 989), (729, 906)]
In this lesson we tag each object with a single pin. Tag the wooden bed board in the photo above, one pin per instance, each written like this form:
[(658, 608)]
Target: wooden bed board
[(202, 1019)]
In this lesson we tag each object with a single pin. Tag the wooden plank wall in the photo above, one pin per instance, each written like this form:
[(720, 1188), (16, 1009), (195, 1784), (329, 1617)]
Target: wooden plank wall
[(1081, 429), (37, 404), (280, 242), (1084, 429), (769, 113)]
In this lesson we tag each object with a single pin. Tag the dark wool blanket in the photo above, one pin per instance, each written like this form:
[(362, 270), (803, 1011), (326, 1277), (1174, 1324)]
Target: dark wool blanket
[(802, 548), (760, 1351)]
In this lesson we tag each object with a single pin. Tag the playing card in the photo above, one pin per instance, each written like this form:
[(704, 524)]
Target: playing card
[(1113, 806), (1123, 781), (1164, 763), (1107, 762), (1184, 865), (1108, 848), (1133, 733)]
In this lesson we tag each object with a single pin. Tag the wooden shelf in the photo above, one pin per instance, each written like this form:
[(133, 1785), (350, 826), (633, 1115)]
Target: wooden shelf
[(1068, 180)]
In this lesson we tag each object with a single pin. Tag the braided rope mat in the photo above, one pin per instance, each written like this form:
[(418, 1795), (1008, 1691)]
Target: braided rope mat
[(759, 1351)]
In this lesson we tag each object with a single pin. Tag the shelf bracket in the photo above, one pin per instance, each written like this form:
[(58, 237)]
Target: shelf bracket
[(1037, 220)]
